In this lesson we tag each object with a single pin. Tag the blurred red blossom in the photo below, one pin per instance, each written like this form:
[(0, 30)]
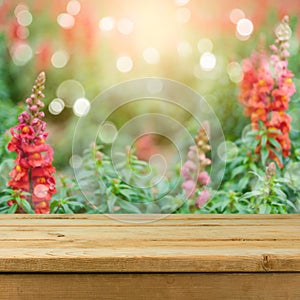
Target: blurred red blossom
[(33, 171), (266, 89)]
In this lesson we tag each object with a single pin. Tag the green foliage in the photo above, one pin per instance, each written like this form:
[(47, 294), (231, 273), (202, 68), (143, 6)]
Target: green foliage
[(130, 190), (248, 187), (14, 201), (4, 89), (67, 200), (8, 111)]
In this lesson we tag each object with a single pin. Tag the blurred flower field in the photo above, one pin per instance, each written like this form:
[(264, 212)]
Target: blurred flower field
[(104, 139)]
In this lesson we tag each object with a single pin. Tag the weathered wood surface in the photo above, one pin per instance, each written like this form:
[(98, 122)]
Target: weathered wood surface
[(185, 286), (149, 243)]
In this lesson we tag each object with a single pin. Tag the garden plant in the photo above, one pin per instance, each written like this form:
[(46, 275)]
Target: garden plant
[(262, 165)]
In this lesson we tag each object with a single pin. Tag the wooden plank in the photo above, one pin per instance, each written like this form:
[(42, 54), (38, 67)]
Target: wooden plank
[(144, 233), (150, 220), (208, 243), (150, 286)]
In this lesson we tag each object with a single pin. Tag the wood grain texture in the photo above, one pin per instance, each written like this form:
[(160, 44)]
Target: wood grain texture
[(150, 286), (150, 243)]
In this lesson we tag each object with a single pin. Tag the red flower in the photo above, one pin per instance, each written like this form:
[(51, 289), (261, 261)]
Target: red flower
[(45, 171), (12, 145), (33, 171), (35, 160), (25, 131), (42, 207), (19, 178), (266, 95)]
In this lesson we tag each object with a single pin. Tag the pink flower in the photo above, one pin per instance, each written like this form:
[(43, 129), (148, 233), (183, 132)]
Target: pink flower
[(189, 165), (203, 178), (189, 187), (24, 117), (202, 198), (185, 173)]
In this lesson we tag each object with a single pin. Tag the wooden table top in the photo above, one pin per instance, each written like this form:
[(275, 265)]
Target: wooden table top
[(149, 243)]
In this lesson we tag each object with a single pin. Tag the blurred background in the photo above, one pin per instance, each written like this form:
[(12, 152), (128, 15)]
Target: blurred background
[(87, 46)]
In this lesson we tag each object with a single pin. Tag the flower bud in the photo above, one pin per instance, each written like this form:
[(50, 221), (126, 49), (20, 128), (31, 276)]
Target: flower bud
[(39, 103), (98, 156), (189, 187), (271, 170), (33, 108), (29, 101), (203, 178), (202, 198)]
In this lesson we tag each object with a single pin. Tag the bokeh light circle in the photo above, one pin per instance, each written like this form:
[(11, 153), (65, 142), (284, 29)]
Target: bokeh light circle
[(69, 91), (56, 106), (107, 24), (244, 27), (81, 107), (124, 64), (235, 15), (73, 7), (60, 58), (108, 132), (41, 191), (151, 56), (65, 20), (24, 17), (235, 72), (228, 151), (247, 129), (75, 161), (208, 61), (21, 54)]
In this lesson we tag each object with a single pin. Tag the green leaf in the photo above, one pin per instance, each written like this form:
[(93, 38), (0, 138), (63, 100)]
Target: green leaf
[(4, 199), (129, 207), (274, 143), (243, 183), (238, 170), (264, 141), (274, 131), (67, 209), (4, 209), (76, 204), (279, 193), (264, 209), (102, 208), (251, 194), (224, 204), (291, 204), (279, 155), (264, 155), (26, 206), (13, 209), (127, 193), (111, 203), (153, 209), (53, 204)]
